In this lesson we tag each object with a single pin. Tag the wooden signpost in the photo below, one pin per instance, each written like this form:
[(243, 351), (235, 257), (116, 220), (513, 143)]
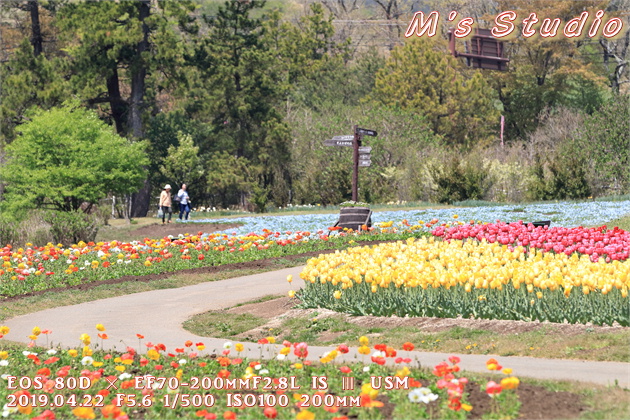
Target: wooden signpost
[(361, 156)]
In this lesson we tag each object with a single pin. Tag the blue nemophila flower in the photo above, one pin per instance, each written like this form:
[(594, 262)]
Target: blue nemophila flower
[(567, 214)]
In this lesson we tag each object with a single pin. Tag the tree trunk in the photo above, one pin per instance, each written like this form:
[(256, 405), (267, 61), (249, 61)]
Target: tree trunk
[(141, 199), (138, 75), (116, 102), (36, 35)]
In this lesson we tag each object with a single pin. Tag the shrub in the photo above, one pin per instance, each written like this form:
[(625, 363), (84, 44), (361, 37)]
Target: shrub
[(459, 180), (563, 175), (71, 227), (8, 231)]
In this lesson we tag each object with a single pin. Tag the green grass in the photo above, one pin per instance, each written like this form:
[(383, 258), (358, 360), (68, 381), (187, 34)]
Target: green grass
[(621, 223), (547, 342), (74, 297), (220, 324)]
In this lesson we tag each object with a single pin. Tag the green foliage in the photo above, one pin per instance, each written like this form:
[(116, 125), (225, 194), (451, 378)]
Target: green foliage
[(268, 81), (460, 179), (323, 174), (8, 230), (162, 133), (604, 139), (27, 81), (241, 87), (422, 77), (113, 49), (563, 176), (353, 204), (454, 302), (182, 164), (65, 157), (260, 198), (525, 100), (71, 227), (228, 176)]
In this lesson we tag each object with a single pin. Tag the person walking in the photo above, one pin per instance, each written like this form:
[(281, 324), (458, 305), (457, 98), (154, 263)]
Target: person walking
[(165, 203), (184, 203)]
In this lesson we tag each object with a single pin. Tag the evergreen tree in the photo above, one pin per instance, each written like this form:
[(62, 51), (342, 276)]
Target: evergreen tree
[(419, 76)]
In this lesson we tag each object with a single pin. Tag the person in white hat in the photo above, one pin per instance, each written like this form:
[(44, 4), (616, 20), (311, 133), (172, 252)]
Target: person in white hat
[(165, 203)]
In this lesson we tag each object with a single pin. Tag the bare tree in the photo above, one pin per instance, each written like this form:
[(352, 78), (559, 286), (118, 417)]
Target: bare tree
[(615, 52), (341, 9), (394, 10)]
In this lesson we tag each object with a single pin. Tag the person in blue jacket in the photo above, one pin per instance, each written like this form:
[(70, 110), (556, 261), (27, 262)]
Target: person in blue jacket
[(184, 203)]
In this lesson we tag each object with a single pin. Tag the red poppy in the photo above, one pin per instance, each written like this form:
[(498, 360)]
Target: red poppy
[(270, 412), (408, 346), (46, 415), (342, 348), (43, 372)]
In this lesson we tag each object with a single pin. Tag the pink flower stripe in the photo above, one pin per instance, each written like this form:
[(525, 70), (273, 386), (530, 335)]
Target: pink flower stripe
[(598, 242)]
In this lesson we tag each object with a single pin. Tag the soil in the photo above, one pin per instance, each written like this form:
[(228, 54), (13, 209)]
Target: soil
[(158, 230), (277, 310)]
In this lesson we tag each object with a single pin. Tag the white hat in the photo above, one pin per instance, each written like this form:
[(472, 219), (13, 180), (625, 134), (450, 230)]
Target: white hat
[(167, 187)]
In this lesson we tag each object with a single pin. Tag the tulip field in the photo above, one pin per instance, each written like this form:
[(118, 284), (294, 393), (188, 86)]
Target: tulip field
[(481, 270), (465, 264), (428, 277)]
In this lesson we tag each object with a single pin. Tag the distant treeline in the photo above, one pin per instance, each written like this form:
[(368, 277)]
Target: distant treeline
[(235, 99)]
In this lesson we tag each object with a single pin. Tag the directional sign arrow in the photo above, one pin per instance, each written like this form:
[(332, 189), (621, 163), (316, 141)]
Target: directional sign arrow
[(350, 137), (365, 163), (365, 149), (367, 132), (364, 156), (337, 143)]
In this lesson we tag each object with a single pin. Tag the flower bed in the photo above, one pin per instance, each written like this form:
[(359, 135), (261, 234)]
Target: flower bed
[(179, 383), (612, 245), (592, 213), (33, 268), (429, 277)]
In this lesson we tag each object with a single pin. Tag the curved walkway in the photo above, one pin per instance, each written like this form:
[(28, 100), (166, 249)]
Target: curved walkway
[(159, 315)]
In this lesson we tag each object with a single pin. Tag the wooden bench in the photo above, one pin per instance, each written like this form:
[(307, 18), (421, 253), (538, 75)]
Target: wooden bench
[(540, 224), (354, 217)]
